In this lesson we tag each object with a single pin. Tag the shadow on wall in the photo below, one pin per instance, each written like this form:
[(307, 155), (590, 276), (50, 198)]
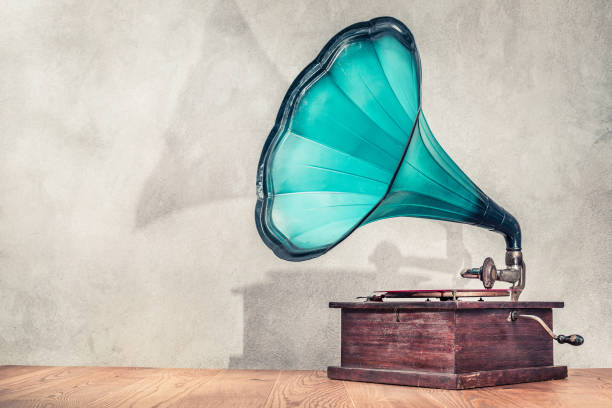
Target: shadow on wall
[(209, 127), (388, 259), (287, 322)]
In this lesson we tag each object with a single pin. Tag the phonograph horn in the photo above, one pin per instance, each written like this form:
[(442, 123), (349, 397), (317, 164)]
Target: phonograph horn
[(351, 145)]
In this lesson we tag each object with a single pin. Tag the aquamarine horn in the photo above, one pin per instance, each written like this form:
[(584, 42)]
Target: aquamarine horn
[(351, 146)]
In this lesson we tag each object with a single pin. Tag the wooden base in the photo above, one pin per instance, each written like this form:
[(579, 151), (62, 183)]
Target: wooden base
[(450, 344), (448, 381)]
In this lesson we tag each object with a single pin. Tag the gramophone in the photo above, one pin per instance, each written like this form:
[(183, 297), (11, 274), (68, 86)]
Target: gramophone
[(350, 146)]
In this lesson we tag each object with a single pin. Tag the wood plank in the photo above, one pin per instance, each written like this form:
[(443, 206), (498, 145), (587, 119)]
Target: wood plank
[(154, 387), (16, 370), (485, 340), (83, 391), (233, 388), (570, 393), (134, 387), (444, 305), (583, 388), (406, 339), (10, 378), (307, 389), (481, 398), (509, 305), (61, 396), (42, 380), (510, 376), (394, 305), (394, 377), (461, 340), (368, 395), (448, 380), (111, 386)]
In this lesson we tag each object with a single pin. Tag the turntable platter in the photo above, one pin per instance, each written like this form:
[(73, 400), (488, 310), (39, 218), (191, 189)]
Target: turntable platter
[(442, 294)]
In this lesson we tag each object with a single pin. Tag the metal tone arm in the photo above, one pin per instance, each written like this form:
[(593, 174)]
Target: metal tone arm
[(513, 273)]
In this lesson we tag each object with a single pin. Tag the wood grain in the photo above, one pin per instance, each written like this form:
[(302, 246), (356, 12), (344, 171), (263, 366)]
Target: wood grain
[(398, 340), (395, 377), (369, 395), (138, 387), (233, 388), (451, 344), (447, 305), (486, 341), (307, 389), (451, 381), (151, 388), (46, 380), (583, 388)]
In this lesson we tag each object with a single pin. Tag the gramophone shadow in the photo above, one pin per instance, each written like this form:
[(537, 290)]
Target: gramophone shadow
[(287, 321), (387, 257), (198, 164)]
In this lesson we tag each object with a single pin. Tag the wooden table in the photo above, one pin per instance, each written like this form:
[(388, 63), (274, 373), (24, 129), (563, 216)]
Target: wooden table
[(27, 386)]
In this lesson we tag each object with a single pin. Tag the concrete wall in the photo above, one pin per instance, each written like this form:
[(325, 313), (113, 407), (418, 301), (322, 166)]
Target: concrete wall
[(129, 139)]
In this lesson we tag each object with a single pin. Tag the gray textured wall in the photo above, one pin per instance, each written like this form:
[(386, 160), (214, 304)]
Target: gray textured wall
[(129, 138)]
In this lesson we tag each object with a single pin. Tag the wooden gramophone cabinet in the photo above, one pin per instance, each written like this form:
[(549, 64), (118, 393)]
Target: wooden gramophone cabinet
[(445, 344)]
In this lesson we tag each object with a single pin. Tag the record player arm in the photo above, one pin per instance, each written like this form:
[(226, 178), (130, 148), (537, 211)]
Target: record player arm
[(514, 273)]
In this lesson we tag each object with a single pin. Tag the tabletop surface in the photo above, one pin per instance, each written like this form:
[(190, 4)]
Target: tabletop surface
[(37, 386)]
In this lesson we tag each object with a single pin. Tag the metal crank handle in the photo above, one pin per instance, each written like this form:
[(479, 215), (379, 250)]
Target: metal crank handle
[(573, 339)]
